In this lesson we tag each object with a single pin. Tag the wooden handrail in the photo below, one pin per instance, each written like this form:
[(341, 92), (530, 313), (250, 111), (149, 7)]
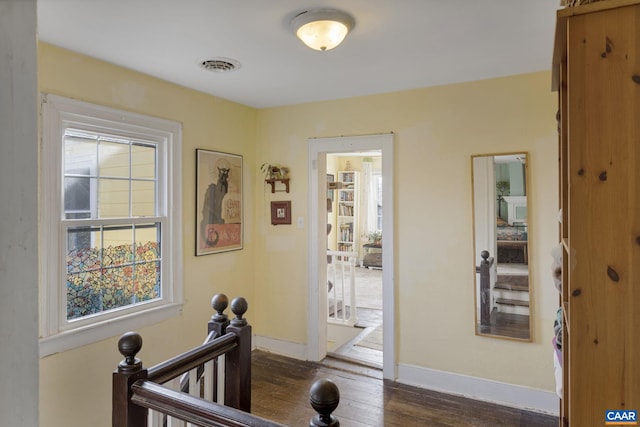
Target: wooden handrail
[(192, 409), (184, 379), (178, 365)]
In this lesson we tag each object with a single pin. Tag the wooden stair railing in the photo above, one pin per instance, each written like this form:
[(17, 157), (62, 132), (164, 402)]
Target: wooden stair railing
[(485, 287), (137, 389)]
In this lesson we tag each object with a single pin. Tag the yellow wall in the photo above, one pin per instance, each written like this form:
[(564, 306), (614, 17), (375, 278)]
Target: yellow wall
[(436, 131), (75, 386)]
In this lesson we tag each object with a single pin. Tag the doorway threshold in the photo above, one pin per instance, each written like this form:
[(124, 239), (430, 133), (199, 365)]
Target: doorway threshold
[(351, 364)]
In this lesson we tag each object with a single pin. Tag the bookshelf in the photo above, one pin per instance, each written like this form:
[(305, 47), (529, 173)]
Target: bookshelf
[(348, 204)]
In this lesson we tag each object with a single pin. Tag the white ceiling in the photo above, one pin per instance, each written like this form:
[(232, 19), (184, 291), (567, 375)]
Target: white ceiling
[(395, 45)]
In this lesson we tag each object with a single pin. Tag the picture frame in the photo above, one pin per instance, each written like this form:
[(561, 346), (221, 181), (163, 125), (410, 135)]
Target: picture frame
[(281, 212), (219, 207)]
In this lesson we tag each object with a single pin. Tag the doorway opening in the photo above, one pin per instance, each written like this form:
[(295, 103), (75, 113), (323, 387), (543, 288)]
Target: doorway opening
[(350, 238), (354, 257)]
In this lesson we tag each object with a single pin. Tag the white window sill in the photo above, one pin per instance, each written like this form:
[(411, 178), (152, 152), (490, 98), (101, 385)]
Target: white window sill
[(68, 340)]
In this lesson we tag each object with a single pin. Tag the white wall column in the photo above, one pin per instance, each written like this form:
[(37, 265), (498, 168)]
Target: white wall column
[(18, 214)]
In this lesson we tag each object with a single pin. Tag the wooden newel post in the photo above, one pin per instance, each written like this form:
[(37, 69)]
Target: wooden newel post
[(237, 389), (325, 398), (218, 324), (485, 289), (219, 321), (130, 370)]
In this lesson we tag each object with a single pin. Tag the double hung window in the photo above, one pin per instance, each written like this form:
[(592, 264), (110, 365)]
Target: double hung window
[(111, 242)]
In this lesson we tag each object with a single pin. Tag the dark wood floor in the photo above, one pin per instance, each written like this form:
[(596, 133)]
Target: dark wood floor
[(366, 348), (281, 393), (507, 324)]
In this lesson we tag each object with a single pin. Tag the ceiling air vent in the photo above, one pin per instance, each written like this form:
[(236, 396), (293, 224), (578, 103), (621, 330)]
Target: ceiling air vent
[(220, 65)]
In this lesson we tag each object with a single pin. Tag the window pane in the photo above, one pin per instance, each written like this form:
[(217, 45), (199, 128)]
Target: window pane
[(147, 281), (82, 297), (113, 198), (143, 161), (80, 155), (79, 215), (113, 159), (147, 259), (83, 272), (82, 253), (80, 159), (77, 196), (117, 246), (143, 198), (147, 242)]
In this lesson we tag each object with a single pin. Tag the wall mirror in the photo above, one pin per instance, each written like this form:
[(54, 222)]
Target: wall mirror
[(501, 245)]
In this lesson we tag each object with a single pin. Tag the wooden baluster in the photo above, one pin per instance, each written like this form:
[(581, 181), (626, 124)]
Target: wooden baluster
[(325, 398), (237, 391), (130, 370)]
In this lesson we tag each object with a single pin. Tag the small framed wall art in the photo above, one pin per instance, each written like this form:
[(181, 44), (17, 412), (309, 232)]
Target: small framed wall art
[(281, 212)]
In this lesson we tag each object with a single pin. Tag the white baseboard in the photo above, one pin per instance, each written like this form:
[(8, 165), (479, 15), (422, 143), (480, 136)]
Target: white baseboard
[(480, 389), (281, 347), (446, 382)]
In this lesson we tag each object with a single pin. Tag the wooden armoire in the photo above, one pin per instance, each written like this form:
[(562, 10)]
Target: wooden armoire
[(596, 71)]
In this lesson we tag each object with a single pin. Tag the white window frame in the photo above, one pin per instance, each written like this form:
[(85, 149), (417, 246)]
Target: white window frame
[(58, 113)]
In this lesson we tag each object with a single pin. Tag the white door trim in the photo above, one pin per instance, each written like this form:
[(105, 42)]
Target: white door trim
[(316, 329)]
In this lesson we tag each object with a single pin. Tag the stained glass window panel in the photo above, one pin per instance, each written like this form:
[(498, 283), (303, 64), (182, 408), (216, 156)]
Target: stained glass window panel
[(82, 254), (110, 274), (147, 243), (117, 246)]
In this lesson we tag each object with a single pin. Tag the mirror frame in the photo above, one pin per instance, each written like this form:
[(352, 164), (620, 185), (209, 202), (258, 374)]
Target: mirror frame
[(477, 259)]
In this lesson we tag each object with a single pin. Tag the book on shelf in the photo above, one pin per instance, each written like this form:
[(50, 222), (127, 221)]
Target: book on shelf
[(346, 196), (347, 177), (346, 232), (345, 210)]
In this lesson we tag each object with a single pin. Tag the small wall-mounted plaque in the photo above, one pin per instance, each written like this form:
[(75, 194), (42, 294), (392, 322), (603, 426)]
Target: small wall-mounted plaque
[(281, 212)]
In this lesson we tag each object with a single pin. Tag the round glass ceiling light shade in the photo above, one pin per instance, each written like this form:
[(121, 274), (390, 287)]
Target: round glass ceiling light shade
[(322, 29)]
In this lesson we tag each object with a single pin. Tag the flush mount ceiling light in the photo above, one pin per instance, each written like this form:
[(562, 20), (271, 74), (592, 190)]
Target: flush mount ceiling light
[(322, 29)]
